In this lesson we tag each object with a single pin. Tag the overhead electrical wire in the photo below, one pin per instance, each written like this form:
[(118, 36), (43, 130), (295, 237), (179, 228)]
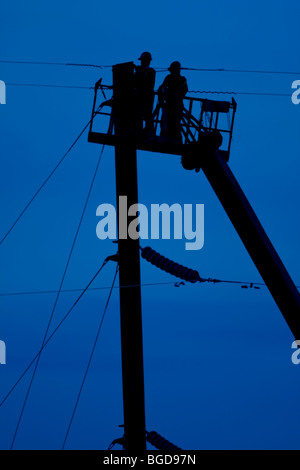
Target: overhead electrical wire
[(24, 62), (52, 334), (239, 93), (45, 85), (159, 69), (3, 294), (208, 280), (58, 294), (90, 359), (273, 72), (192, 69), (176, 284), (44, 183), (75, 87), (49, 85)]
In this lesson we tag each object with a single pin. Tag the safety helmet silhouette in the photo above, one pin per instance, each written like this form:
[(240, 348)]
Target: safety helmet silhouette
[(175, 66), (145, 56)]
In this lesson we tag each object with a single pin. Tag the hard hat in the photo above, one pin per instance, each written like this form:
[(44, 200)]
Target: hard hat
[(176, 66), (145, 55)]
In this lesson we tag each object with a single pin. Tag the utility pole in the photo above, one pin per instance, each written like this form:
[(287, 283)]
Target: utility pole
[(129, 261)]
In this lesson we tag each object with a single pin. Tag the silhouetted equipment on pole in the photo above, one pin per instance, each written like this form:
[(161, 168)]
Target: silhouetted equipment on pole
[(206, 128), (202, 120)]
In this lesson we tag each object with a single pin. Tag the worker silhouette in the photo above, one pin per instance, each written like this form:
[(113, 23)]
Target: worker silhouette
[(170, 95), (144, 87)]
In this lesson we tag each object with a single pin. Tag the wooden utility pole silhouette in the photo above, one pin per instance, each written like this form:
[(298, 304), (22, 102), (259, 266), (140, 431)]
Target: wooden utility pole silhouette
[(129, 262)]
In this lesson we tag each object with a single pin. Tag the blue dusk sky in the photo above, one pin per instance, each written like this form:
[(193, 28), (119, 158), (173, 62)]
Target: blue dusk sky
[(218, 369)]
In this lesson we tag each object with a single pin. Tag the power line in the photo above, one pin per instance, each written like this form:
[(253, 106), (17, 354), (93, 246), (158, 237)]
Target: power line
[(150, 284), (75, 87), (273, 72), (52, 334), (44, 183), (192, 69), (46, 85), (24, 62), (41, 85), (79, 290), (240, 93), (57, 296), (90, 360)]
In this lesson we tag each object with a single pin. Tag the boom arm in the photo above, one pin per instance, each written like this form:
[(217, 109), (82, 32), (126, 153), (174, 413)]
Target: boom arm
[(254, 238)]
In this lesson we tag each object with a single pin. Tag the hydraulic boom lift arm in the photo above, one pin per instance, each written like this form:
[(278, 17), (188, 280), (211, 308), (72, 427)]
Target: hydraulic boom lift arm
[(253, 236)]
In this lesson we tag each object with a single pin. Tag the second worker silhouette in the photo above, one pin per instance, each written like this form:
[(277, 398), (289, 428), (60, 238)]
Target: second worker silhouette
[(170, 94)]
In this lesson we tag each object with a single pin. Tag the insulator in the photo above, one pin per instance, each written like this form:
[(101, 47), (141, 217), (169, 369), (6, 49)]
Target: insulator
[(169, 266), (160, 442)]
